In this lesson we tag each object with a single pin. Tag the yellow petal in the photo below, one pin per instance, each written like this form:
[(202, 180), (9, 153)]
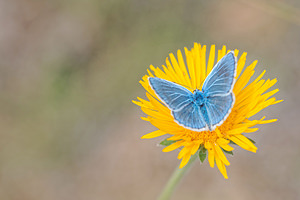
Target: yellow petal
[(196, 55), (245, 142), (170, 71), (173, 146), (166, 126), (178, 136), (177, 69), (158, 72), (156, 114), (250, 130), (191, 68), (244, 79), (221, 154), (211, 154), (241, 64), (222, 141), (241, 144), (153, 134), (195, 148), (221, 167), (185, 160), (221, 53), (236, 53), (185, 150), (267, 121), (211, 59), (202, 65), (183, 69), (227, 147), (159, 106), (145, 119), (237, 130), (277, 102)]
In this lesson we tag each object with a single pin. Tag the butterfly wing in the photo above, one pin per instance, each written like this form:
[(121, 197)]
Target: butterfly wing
[(190, 117), (180, 101), (217, 89), (173, 95), (218, 109), (220, 81)]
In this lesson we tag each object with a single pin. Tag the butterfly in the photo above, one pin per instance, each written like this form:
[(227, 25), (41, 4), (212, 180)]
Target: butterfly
[(205, 109)]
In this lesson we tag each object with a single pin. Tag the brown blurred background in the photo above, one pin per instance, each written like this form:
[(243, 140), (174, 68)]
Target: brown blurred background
[(68, 73)]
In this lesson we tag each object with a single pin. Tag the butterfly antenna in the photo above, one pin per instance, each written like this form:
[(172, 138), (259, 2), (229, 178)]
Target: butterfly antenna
[(200, 85), (185, 86)]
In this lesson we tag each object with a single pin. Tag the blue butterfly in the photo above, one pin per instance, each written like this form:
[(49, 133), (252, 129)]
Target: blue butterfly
[(201, 110)]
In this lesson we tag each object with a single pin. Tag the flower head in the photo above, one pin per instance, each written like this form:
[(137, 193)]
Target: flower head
[(250, 98)]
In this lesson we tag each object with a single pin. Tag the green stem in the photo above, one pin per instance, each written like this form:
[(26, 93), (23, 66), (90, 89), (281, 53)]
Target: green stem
[(175, 179)]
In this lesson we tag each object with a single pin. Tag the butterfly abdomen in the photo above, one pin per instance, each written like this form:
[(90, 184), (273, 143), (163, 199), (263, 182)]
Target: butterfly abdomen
[(206, 117), (199, 100)]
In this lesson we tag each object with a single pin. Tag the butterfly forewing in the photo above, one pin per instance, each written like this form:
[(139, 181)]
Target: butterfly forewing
[(173, 95), (221, 79)]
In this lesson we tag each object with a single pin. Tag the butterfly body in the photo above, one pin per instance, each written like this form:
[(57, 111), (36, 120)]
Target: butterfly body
[(198, 97), (203, 109)]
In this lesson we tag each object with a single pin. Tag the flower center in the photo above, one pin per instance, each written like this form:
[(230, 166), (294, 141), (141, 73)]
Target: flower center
[(205, 136)]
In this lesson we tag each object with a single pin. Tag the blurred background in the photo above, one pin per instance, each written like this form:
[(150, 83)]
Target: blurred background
[(68, 73)]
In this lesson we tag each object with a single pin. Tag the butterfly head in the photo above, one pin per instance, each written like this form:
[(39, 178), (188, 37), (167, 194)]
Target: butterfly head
[(198, 97)]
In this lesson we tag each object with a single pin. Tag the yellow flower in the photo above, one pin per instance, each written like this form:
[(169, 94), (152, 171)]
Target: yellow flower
[(251, 97)]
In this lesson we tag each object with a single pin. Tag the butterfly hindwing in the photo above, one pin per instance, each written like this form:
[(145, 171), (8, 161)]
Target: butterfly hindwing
[(218, 108), (190, 117), (220, 81)]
